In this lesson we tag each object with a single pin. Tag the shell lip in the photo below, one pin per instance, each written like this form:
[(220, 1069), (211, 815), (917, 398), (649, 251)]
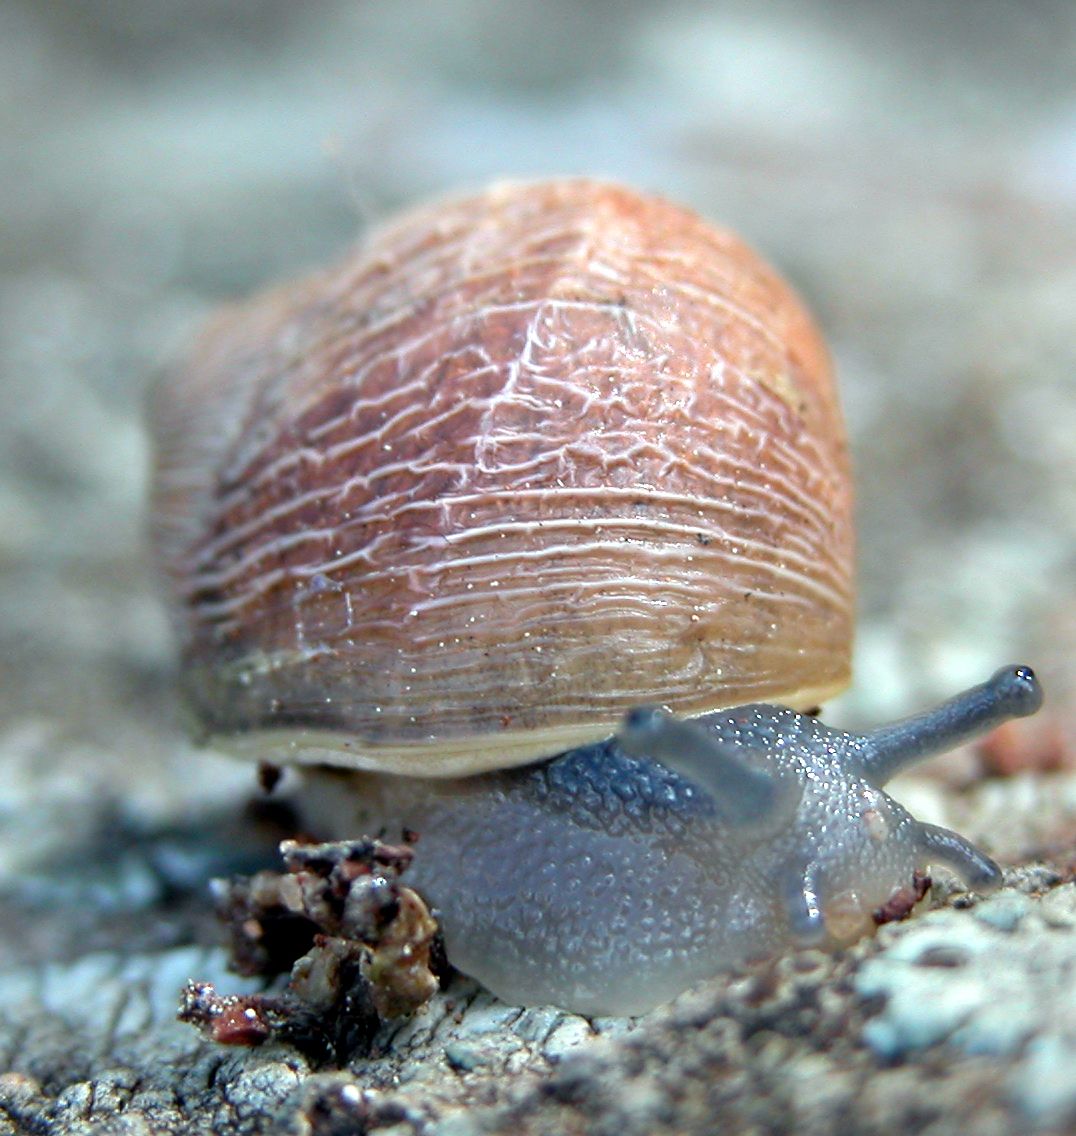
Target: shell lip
[(445, 756)]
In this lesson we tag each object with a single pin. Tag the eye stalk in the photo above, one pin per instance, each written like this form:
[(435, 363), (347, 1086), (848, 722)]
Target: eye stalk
[(744, 794), (1011, 692)]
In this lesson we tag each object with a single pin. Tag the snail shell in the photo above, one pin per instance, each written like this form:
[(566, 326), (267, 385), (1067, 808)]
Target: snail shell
[(524, 460)]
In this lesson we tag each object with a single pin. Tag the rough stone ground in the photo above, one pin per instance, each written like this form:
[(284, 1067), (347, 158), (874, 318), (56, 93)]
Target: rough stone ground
[(911, 167)]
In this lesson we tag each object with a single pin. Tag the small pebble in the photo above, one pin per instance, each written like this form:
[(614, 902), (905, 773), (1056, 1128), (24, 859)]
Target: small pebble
[(17, 1089), (486, 1015), (1058, 907), (1004, 912), (536, 1023), (463, 1057), (569, 1034)]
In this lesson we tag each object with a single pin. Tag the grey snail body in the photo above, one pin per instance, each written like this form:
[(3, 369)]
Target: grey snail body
[(610, 878)]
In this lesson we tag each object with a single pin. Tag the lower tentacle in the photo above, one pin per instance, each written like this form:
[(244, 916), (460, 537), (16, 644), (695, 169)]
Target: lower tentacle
[(942, 846)]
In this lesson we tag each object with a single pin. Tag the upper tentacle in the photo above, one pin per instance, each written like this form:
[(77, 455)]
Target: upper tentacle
[(1012, 692)]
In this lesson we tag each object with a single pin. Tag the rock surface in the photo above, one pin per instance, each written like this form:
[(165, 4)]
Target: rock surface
[(913, 172)]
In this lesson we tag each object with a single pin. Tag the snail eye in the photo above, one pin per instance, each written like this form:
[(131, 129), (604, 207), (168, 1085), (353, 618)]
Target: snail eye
[(640, 723)]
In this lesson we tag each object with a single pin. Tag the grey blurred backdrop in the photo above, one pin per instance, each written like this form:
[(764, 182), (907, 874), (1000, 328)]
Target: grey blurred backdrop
[(911, 167)]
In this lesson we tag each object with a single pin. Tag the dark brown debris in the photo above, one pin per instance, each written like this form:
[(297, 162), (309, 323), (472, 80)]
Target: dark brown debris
[(269, 776), (356, 942), (900, 904)]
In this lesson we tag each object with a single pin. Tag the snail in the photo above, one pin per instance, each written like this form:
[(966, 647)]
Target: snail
[(528, 528)]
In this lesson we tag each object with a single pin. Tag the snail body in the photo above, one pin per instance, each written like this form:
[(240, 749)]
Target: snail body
[(611, 878), (443, 521)]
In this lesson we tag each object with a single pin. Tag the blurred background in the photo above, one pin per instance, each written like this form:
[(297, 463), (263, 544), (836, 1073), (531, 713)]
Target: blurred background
[(911, 168)]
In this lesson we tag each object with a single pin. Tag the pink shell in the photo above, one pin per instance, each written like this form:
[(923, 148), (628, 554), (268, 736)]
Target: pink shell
[(522, 461)]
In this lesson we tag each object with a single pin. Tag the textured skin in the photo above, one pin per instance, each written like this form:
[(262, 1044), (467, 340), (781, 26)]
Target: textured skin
[(607, 883), (525, 460), (604, 884)]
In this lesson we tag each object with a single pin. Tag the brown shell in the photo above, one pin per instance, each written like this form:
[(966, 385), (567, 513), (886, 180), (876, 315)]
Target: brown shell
[(522, 461)]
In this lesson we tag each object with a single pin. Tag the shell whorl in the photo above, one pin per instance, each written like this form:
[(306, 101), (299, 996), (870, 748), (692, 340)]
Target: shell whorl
[(526, 459)]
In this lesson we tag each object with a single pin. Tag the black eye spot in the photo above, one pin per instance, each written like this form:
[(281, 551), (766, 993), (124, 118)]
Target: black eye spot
[(1020, 689), (641, 718)]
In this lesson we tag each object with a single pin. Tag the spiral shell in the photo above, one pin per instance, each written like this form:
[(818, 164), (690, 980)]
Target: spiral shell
[(522, 461)]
